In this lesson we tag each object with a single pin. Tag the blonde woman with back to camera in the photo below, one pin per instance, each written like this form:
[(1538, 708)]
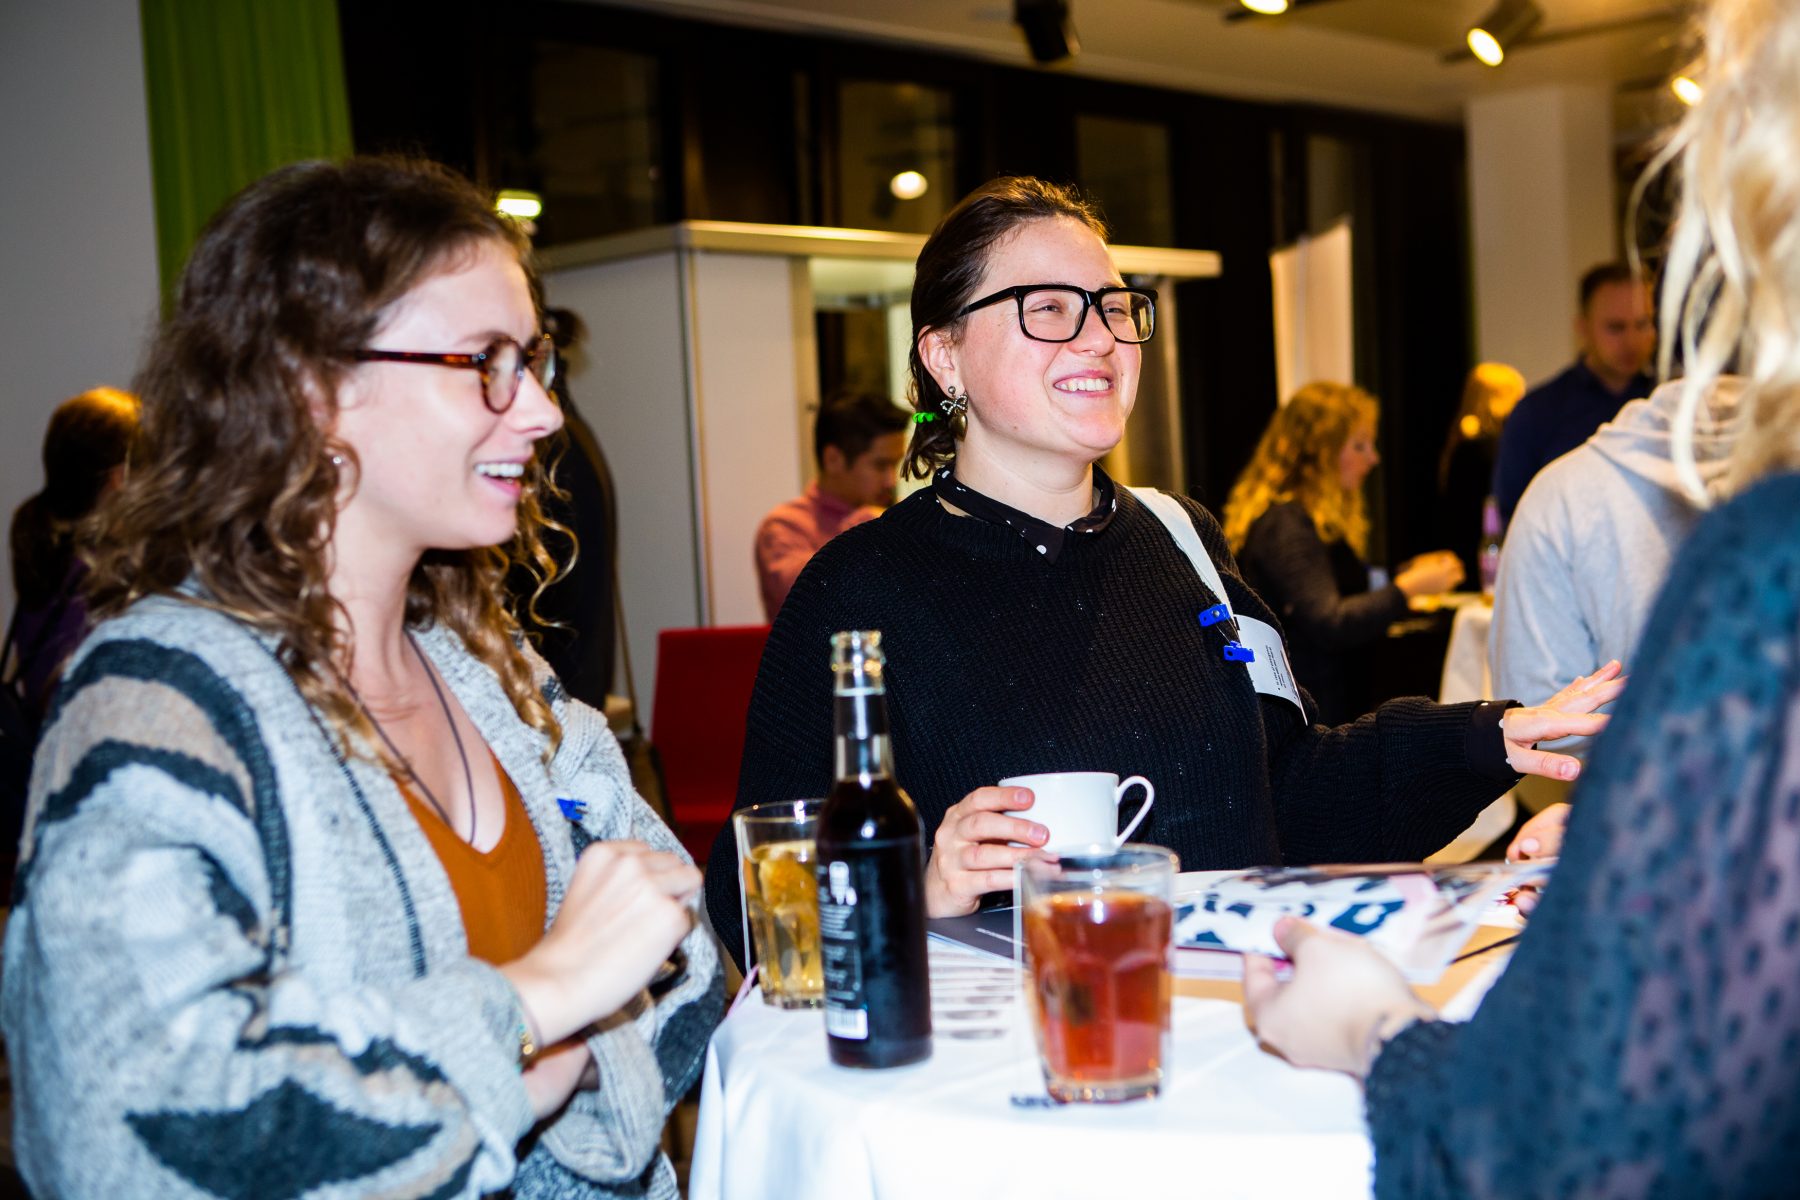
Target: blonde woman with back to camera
[(1645, 1040), (1297, 522), (326, 885)]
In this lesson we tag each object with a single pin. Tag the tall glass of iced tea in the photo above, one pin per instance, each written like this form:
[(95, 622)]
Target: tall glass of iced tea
[(781, 898), (1097, 927)]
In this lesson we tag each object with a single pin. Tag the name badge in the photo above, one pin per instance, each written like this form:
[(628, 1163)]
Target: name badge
[(1270, 674)]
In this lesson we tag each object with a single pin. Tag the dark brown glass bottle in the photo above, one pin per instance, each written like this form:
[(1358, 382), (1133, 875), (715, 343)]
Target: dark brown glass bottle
[(871, 868)]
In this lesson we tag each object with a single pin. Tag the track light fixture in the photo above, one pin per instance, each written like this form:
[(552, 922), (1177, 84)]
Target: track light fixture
[(1503, 27), (1269, 8), (1049, 33)]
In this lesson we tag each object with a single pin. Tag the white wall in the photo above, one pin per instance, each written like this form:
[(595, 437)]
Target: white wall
[(631, 383), (756, 370), (1542, 205), (691, 377), (78, 289)]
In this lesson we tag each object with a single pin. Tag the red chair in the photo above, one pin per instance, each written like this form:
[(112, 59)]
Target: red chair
[(703, 683)]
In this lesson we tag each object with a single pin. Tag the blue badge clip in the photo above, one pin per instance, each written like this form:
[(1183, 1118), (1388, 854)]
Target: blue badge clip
[(1214, 615), (572, 809), (1238, 652)]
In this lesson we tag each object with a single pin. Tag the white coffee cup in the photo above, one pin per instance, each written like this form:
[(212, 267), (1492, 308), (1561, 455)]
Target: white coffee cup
[(1080, 808)]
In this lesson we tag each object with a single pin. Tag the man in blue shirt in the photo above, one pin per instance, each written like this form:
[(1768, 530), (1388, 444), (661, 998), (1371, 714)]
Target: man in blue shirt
[(1617, 332)]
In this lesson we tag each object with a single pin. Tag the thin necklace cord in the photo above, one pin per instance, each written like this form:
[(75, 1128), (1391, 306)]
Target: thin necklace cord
[(461, 752)]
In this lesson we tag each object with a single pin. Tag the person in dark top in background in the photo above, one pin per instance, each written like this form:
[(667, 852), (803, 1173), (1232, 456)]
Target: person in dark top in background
[(1039, 617), (85, 449), (1471, 448), (575, 621), (1645, 1039), (1295, 520), (1617, 338)]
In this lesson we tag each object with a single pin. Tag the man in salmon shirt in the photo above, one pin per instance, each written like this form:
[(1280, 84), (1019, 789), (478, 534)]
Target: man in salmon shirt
[(858, 440)]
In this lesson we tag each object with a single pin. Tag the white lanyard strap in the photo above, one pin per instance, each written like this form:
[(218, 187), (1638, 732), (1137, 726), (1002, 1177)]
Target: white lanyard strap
[(1168, 510)]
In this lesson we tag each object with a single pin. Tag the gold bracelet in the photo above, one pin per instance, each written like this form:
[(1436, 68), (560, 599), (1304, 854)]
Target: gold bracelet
[(528, 1046)]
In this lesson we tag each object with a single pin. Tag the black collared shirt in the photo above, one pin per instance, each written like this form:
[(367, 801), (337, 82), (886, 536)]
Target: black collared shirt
[(1047, 538)]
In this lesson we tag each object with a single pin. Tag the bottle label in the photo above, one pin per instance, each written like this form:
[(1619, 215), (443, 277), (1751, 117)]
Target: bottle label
[(846, 1009)]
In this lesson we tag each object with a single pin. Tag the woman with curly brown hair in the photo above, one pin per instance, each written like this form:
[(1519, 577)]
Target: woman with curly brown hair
[(324, 880), (1039, 617), (1296, 521)]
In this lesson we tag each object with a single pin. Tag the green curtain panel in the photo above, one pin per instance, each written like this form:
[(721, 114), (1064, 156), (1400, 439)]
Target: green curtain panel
[(235, 88)]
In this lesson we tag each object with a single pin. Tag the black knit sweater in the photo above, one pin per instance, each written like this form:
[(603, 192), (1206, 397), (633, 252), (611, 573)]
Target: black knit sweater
[(1002, 662)]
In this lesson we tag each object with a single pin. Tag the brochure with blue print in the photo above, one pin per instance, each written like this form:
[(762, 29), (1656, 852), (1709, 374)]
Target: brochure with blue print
[(1418, 914)]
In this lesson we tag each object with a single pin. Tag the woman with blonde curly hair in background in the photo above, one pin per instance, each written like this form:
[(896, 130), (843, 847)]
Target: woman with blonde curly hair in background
[(1645, 1040), (325, 883), (1296, 520)]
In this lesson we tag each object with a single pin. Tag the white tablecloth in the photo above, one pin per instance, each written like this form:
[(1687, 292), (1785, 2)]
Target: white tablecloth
[(779, 1122), (1466, 677), (1466, 674)]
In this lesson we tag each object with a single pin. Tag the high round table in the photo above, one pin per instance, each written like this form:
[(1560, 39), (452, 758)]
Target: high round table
[(779, 1122)]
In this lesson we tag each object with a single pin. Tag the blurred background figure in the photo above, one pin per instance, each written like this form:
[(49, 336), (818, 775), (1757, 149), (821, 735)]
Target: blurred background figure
[(85, 449), (1617, 335), (858, 441), (1297, 523), (1466, 465), (575, 621)]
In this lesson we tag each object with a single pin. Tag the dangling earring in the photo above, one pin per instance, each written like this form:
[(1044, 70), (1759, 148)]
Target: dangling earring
[(957, 409)]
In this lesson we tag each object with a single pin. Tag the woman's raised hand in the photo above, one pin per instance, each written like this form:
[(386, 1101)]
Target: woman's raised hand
[(1429, 574), (1540, 837), (970, 855), (1569, 713), (625, 911)]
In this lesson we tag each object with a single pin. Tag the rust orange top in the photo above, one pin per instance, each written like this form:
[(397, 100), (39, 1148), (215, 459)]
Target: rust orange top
[(501, 891)]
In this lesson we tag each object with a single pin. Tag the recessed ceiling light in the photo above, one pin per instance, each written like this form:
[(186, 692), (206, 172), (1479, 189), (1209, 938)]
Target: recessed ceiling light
[(908, 185), (523, 206), (1504, 26)]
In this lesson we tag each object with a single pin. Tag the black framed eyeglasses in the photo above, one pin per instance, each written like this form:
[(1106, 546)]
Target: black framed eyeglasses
[(1054, 312), (502, 363)]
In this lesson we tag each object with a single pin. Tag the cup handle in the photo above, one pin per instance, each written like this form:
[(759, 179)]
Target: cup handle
[(1143, 809)]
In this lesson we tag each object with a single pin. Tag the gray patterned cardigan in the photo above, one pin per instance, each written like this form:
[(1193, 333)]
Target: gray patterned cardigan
[(236, 968)]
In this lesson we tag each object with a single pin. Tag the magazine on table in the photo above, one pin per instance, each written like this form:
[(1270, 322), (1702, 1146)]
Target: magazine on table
[(1418, 914)]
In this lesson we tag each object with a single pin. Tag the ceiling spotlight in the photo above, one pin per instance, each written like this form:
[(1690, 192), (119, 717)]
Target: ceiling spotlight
[(1503, 27), (1686, 90), (908, 185), (1269, 8), (1049, 33), (521, 206)]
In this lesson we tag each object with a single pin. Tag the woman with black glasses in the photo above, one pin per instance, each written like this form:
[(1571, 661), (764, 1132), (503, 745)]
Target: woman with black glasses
[(325, 884), (1039, 617)]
